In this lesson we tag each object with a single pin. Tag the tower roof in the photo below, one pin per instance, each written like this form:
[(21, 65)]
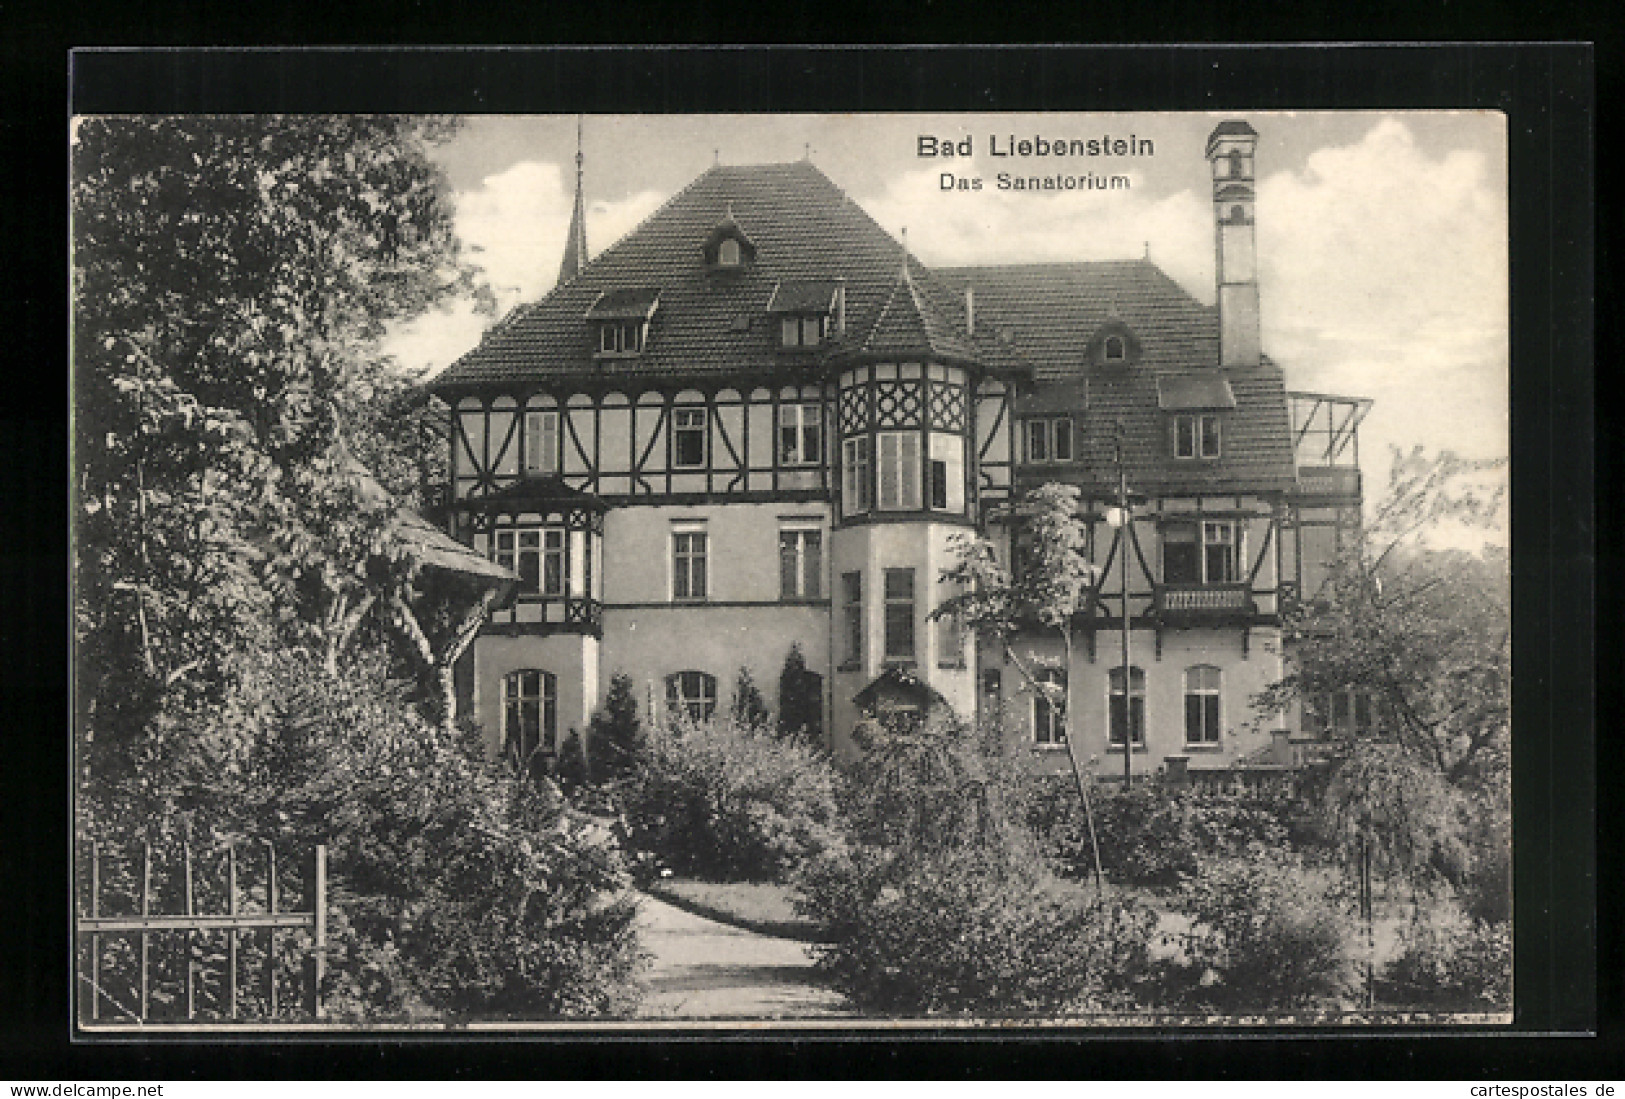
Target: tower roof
[(575, 244), (1230, 127)]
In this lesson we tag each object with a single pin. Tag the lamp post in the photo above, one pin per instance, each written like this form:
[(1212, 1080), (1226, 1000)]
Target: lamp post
[(1123, 519)]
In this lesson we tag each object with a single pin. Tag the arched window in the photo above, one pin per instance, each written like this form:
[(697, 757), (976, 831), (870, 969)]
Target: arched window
[(1049, 707), (530, 714), (1116, 349), (692, 693), (1131, 716), (728, 253), (1238, 215), (1202, 704)]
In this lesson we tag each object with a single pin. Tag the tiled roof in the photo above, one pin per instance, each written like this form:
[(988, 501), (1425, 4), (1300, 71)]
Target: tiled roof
[(1052, 311), (792, 296), (804, 229), (1192, 391), (911, 323), (633, 303)]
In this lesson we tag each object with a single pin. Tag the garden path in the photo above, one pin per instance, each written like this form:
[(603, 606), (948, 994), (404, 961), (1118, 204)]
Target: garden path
[(707, 970)]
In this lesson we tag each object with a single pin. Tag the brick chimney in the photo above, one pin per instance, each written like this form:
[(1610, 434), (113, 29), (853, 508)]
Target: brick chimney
[(1230, 151)]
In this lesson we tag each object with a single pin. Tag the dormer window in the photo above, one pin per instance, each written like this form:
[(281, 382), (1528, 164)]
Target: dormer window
[(1113, 344), (621, 319), (808, 312), (620, 339), (805, 331), (1196, 436), (727, 247)]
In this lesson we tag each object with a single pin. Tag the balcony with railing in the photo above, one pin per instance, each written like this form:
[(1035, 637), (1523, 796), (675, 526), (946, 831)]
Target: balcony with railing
[(1330, 484), (1204, 601)]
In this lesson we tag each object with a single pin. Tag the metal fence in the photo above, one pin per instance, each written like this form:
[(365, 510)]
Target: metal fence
[(197, 970)]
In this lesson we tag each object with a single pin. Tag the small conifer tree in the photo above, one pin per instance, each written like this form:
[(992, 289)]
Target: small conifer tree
[(749, 707), (617, 732), (801, 700)]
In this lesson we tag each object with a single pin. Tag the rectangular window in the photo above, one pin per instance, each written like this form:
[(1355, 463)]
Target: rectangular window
[(1049, 439), (1133, 715), (1202, 705), (855, 496), (1181, 559), (899, 594), (947, 472), (801, 435), (802, 331), (1049, 707), (537, 555), (950, 640), (688, 438), (801, 564), (1215, 559), (541, 442), (1196, 436), (1220, 565), (899, 470), (621, 339), (852, 616), (1037, 441), (688, 573)]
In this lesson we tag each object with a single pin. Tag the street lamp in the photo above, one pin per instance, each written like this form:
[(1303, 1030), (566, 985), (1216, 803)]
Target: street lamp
[(1122, 519)]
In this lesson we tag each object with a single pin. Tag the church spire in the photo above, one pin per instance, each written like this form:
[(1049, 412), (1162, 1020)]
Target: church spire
[(575, 246)]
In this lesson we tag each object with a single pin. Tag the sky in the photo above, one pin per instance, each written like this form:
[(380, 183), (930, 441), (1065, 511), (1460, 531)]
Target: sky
[(1382, 236)]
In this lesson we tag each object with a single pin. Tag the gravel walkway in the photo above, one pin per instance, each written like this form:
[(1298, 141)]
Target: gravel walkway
[(708, 970)]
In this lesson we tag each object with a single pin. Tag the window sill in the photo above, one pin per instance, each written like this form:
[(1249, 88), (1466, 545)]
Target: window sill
[(1117, 749), (689, 600), (1204, 747), (1048, 748), (688, 469), (600, 356)]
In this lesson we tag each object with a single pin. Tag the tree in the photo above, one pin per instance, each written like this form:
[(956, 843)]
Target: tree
[(749, 707), (1406, 650), (1420, 634), (1048, 589), (231, 278), (616, 732), (801, 700)]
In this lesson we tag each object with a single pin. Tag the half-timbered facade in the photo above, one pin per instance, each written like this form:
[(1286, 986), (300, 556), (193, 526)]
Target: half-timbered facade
[(756, 422)]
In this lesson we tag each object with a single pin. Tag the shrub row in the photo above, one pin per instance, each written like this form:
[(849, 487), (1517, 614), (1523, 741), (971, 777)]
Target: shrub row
[(729, 801)]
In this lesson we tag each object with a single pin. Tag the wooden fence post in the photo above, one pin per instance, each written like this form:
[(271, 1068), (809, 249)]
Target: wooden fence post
[(318, 953), (191, 1000), (231, 933), (270, 932), (146, 910), (95, 937)]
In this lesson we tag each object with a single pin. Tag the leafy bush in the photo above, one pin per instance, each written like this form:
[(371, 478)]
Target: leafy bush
[(458, 888), (1267, 934), (966, 932), (1451, 962), (940, 901), (729, 801), (1154, 835)]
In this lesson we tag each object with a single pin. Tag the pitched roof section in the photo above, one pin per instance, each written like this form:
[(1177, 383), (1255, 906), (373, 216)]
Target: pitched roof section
[(1053, 310), (804, 228), (794, 296), (910, 323), (630, 304), (1177, 392)]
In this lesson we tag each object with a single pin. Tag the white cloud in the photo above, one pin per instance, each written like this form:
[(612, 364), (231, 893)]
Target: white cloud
[(948, 228), (514, 227), (1383, 273)]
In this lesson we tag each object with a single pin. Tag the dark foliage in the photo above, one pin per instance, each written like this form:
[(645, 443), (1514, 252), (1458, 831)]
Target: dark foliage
[(1154, 835), (728, 801), (801, 700), (616, 734), (749, 707), (1450, 962), (1267, 934)]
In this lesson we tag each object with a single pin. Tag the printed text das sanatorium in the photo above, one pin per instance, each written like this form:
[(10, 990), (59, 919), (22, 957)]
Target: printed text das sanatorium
[(1003, 145)]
